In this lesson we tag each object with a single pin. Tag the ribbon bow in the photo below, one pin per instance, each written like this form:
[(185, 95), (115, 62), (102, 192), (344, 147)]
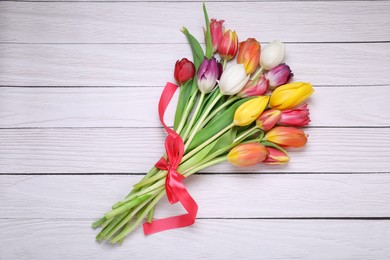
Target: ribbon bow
[(175, 189)]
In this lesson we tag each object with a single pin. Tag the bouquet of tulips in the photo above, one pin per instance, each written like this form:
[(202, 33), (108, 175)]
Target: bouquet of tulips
[(242, 110)]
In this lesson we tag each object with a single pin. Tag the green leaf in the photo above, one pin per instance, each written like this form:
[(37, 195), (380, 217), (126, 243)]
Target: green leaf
[(209, 43), (216, 125), (197, 157), (197, 50), (270, 144), (225, 140)]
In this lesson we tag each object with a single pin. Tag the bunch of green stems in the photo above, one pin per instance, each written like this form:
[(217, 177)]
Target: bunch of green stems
[(140, 203)]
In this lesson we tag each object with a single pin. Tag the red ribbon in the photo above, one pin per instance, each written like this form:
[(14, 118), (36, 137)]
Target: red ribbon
[(175, 189)]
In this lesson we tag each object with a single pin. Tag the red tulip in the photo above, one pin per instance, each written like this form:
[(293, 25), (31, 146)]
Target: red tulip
[(228, 45), (184, 71), (268, 119)]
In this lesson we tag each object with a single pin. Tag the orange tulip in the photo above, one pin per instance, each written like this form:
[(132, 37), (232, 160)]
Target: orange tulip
[(244, 155), (249, 55), (287, 136)]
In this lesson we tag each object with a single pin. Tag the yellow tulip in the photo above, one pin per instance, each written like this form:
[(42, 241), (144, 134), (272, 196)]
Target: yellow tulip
[(290, 95), (249, 111)]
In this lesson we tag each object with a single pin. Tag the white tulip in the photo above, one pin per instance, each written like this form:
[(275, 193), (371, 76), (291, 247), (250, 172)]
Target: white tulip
[(272, 55), (233, 79)]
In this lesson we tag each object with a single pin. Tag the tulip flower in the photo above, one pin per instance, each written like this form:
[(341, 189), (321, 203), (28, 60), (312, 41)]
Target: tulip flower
[(249, 111), (256, 87), (276, 156), (208, 74), (279, 75), (233, 79), (268, 119), (184, 71), (286, 136), (228, 45), (244, 155), (290, 95), (298, 116), (216, 29), (249, 55), (272, 55)]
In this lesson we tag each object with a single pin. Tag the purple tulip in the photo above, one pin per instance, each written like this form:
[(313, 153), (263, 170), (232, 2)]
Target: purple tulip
[(279, 75), (209, 72)]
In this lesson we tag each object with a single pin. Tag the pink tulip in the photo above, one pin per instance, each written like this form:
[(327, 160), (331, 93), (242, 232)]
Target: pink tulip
[(276, 156), (255, 87), (298, 116), (216, 30)]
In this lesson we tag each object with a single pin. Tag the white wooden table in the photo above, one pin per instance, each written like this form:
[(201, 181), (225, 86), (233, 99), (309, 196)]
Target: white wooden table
[(80, 82)]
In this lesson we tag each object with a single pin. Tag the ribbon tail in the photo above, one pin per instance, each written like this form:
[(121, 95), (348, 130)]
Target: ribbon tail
[(177, 221)]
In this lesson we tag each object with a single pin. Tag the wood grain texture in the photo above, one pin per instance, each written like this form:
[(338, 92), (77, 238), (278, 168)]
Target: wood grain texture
[(114, 107), (135, 150), (126, 22), (143, 65), (207, 239), (237, 195)]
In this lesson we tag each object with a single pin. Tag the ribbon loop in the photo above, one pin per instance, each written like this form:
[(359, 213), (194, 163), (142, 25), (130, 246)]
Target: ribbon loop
[(175, 189)]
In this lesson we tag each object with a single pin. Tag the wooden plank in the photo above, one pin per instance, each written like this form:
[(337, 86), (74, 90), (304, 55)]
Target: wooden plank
[(135, 150), (214, 239), (237, 196), (139, 65), (160, 22), (114, 107)]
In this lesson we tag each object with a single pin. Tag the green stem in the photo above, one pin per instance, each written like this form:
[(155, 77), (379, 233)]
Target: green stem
[(128, 218), (224, 64), (218, 109), (202, 166), (133, 225), (257, 74), (246, 133), (192, 121), (156, 177), (198, 124), (187, 111), (200, 147)]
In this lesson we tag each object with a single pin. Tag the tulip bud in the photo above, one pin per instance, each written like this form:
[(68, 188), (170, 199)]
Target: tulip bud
[(244, 155), (184, 71), (298, 116), (216, 30), (286, 136), (233, 79), (279, 75), (268, 119), (256, 87), (272, 55), (249, 55), (208, 74), (276, 156), (249, 111), (228, 45), (290, 95)]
